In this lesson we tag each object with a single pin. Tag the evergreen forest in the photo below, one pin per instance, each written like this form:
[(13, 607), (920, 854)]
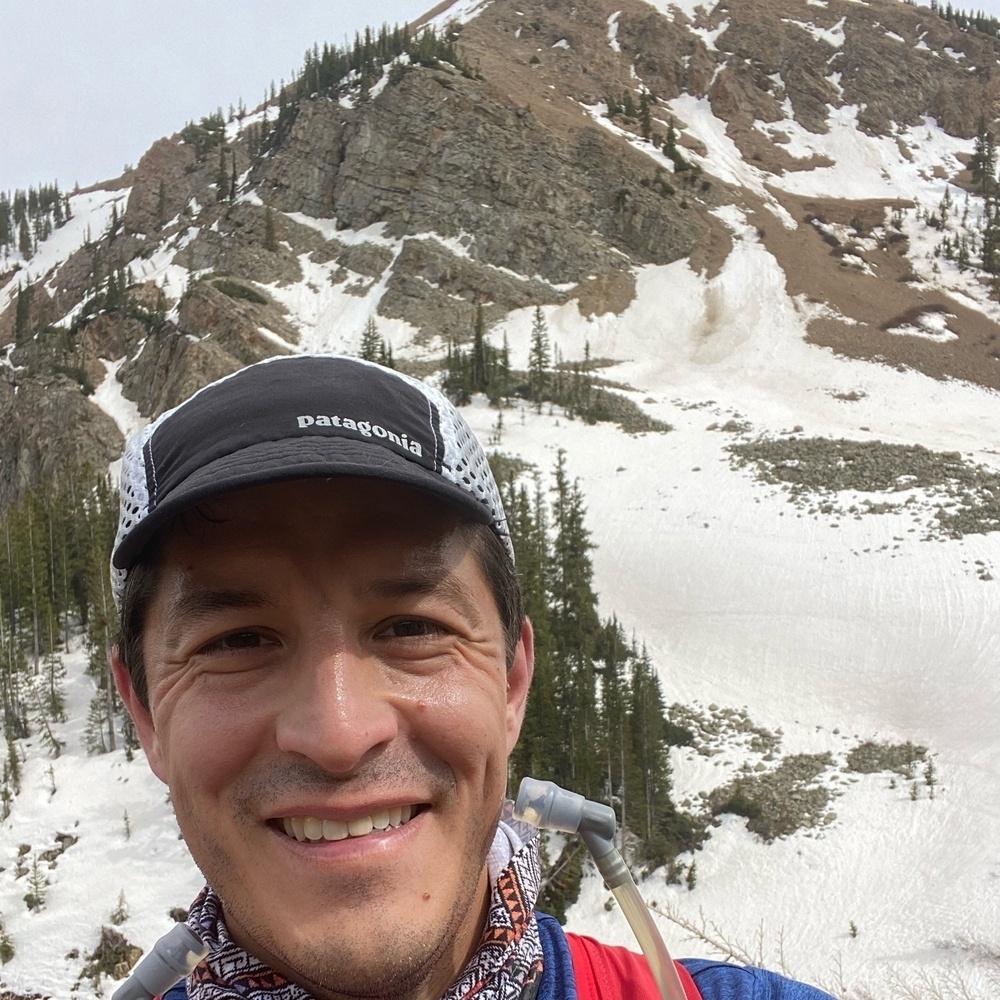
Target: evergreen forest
[(28, 218)]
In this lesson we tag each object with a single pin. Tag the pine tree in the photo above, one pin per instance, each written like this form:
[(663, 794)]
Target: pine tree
[(612, 653), (43, 723), (574, 629), (541, 751), (385, 358), (120, 913), (990, 248), (539, 359), (37, 886), (649, 746), (6, 945), (221, 176), (22, 314), (370, 341), (93, 736), (270, 240), (645, 113), (480, 364), (12, 769), (24, 243), (692, 876)]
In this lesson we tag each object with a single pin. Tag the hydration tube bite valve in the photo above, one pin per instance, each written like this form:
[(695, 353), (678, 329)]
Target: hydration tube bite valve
[(172, 958), (545, 805)]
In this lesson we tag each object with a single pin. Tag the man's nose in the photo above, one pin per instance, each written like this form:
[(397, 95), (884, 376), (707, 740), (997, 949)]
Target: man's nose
[(337, 709)]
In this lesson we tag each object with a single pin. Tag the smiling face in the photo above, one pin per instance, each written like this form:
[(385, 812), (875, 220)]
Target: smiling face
[(330, 705)]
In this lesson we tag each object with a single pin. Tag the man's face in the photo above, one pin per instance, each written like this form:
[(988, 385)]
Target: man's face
[(331, 709)]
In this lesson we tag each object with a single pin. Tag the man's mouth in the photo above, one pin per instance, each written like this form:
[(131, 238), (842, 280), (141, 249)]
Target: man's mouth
[(313, 830)]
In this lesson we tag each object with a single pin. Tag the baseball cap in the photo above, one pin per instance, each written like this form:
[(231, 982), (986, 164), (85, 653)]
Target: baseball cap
[(300, 417)]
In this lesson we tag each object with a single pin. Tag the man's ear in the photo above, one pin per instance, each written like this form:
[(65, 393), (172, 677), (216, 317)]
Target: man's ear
[(519, 681), (142, 719)]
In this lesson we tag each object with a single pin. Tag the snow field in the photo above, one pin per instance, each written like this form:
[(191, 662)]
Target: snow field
[(92, 795)]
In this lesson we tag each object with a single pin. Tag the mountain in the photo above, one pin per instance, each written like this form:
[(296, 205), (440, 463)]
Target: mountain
[(768, 224)]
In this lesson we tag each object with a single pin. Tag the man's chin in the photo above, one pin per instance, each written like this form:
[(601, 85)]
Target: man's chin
[(351, 958)]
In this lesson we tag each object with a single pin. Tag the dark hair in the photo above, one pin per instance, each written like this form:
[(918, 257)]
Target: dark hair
[(144, 576)]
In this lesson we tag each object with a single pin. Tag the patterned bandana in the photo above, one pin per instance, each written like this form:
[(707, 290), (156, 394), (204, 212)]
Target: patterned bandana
[(506, 966)]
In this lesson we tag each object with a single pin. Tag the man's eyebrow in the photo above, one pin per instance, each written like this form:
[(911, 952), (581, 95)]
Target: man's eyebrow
[(436, 583), (196, 604)]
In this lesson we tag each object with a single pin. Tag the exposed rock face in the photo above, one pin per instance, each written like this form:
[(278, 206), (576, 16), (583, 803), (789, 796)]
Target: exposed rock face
[(216, 335), (894, 81), (48, 426), (165, 181), (301, 177), (438, 291), (442, 153)]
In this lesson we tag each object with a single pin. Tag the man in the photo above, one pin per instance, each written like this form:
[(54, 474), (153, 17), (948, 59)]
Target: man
[(323, 651)]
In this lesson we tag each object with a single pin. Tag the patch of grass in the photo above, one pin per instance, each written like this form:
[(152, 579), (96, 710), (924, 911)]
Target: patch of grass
[(779, 802), (236, 290), (871, 757), (966, 495), (78, 374)]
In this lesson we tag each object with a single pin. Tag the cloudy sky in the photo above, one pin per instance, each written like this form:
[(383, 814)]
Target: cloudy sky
[(87, 87)]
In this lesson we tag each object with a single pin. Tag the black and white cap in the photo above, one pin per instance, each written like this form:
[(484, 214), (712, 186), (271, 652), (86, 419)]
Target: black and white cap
[(300, 417)]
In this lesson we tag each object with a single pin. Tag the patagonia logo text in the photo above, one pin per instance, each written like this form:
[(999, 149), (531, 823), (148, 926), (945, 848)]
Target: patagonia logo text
[(363, 427)]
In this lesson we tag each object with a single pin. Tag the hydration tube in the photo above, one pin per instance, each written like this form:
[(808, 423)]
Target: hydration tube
[(172, 958), (545, 805)]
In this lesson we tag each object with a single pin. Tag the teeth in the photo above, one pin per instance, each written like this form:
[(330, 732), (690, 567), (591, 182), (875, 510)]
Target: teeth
[(359, 827), (304, 828), (334, 829)]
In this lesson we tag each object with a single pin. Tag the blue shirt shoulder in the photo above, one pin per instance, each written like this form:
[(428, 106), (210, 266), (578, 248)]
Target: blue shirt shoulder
[(715, 980)]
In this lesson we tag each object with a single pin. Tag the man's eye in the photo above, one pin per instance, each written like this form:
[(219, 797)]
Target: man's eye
[(235, 641), (409, 627)]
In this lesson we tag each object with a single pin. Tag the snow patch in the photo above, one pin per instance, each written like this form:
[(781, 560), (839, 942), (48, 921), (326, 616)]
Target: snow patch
[(929, 325), (613, 31), (690, 8), (110, 398), (834, 37)]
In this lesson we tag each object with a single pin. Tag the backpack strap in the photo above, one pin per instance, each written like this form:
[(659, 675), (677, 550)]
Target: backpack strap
[(606, 972)]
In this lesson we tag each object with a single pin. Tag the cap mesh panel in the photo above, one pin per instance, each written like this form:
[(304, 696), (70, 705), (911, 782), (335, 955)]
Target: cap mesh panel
[(134, 498)]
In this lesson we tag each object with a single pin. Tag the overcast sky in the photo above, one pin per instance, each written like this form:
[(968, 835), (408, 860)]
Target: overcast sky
[(88, 87)]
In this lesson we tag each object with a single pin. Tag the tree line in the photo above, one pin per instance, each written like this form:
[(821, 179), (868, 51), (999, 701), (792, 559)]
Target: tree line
[(28, 218), (596, 720), (965, 20), (55, 545), (970, 242)]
